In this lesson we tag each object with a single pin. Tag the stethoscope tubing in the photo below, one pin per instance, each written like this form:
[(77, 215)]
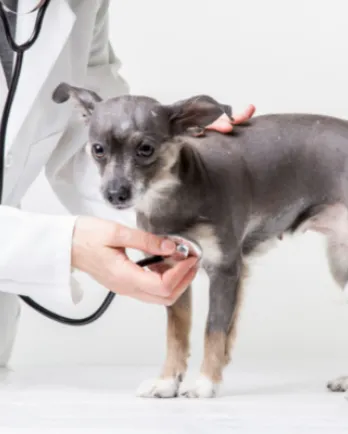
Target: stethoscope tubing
[(28, 12), (19, 49)]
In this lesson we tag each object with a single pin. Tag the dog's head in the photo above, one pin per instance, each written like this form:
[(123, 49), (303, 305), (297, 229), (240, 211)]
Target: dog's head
[(132, 140)]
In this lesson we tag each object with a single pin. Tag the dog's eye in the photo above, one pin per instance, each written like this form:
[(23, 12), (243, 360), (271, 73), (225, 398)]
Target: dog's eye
[(98, 150), (145, 150)]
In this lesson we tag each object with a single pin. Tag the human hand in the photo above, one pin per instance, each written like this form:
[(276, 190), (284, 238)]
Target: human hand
[(98, 249), (225, 125)]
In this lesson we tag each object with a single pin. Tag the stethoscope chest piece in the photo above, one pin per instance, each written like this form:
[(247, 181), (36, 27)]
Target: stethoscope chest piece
[(185, 247)]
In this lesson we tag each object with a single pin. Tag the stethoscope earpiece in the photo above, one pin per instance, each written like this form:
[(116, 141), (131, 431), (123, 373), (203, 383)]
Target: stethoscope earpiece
[(22, 8)]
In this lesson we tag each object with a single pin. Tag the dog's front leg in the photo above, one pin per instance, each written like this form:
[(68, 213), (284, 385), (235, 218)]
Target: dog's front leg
[(225, 300), (178, 333)]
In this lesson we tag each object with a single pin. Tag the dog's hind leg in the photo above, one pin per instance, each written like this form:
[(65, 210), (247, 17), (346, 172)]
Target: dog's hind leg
[(225, 301), (178, 332), (332, 220), (338, 261)]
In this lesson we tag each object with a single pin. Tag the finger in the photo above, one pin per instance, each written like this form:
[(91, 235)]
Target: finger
[(160, 268), (182, 287), (150, 299), (172, 278), (244, 116), (223, 124), (136, 278), (167, 301), (141, 240)]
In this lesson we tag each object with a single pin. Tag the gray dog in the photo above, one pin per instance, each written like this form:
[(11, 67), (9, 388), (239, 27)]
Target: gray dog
[(230, 193)]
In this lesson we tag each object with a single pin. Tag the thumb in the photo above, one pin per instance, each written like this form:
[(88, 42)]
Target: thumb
[(140, 240)]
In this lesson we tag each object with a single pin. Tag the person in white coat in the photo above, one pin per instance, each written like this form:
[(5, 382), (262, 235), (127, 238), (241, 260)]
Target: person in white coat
[(38, 251)]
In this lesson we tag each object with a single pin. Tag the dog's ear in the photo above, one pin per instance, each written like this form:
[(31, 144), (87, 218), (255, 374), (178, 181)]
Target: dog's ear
[(85, 99), (196, 112)]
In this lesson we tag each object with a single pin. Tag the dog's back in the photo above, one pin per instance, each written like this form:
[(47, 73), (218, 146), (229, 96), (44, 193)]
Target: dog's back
[(289, 163)]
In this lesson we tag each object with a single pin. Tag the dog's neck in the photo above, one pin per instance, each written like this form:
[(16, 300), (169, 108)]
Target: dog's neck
[(176, 200)]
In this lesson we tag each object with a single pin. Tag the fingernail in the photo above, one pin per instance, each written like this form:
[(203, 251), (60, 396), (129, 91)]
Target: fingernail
[(168, 246)]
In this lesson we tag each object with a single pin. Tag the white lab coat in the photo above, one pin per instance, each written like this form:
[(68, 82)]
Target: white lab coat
[(73, 47)]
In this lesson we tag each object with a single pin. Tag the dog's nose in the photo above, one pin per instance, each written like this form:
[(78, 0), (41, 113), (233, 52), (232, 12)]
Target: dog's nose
[(120, 196)]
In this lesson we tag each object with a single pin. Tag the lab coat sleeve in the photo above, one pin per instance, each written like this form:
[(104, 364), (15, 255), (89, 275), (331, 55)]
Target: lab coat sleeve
[(35, 254)]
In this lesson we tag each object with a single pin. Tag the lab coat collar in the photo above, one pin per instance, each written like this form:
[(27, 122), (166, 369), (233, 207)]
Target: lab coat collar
[(39, 59)]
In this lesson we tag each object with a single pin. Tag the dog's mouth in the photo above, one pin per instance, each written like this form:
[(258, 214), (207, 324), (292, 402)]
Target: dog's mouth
[(124, 206)]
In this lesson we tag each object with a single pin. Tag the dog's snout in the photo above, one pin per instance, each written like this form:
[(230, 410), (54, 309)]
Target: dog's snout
[(124, 194), (120, 196)]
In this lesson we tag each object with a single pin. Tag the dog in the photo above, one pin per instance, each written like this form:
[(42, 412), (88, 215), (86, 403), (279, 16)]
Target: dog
[(233, 194)]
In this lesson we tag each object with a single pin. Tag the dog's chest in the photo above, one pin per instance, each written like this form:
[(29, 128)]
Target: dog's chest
[(205, 235)]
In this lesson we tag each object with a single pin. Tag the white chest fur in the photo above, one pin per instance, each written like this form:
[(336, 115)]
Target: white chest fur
[(205, 236)]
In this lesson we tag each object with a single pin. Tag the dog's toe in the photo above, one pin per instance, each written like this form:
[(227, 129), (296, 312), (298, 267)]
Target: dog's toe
[(160, 388), (204, 388), (340, 384)]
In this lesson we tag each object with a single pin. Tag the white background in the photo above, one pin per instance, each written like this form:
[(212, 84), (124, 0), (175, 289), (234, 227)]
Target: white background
[(281, 56)]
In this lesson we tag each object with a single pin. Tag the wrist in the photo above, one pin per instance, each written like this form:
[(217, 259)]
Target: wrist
[(79, 244), (89, 235)]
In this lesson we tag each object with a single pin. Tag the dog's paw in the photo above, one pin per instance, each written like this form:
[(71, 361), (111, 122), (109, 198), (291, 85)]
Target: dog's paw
[(204, 388), (339, 384), (159, 388)]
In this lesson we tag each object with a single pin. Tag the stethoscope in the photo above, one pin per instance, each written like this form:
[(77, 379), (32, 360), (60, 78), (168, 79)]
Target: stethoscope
[(185, 247)]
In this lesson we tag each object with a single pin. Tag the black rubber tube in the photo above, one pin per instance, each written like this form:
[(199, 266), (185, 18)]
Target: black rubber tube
[(95, 315)]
